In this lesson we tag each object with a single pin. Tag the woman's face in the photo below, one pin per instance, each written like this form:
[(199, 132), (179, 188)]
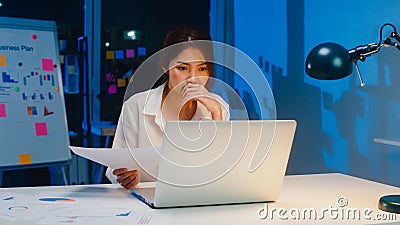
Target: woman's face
[(189, 66)]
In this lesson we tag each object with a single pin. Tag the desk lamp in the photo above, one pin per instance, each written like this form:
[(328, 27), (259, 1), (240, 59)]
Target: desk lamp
[(331, 61)]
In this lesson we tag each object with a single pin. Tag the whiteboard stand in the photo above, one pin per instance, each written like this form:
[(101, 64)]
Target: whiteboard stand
[(61, 165), (64, 175)]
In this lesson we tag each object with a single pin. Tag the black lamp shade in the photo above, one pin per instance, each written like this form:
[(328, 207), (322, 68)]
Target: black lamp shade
[(328, 61)]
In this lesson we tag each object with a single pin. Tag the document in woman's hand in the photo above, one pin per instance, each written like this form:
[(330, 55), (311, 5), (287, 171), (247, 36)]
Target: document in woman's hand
[(116, 158)]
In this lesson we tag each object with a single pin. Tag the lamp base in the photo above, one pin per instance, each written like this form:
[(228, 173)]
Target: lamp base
[(390, 203)]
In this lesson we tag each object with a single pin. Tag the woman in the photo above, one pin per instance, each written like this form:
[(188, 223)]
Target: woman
[(183, 95)]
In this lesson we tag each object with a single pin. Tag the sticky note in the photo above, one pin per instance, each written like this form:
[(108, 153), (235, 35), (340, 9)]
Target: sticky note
[(25, 158), (62, 59), (71, 69), (3, 111), (112, 89), (41, 129), (110, 77), (121, 82), (3, 60), (119, 54), (130, 53), (141, 51), (47, 65), (110, 54)]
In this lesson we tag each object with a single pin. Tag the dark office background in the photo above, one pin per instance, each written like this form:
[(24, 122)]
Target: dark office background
[(152, 18)]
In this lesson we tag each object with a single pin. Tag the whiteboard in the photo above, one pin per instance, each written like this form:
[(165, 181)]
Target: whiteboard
[(33, 124)]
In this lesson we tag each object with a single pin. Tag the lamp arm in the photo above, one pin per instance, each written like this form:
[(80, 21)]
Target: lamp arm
[(395, 36), (388, 41), (363, 51), (362, 84)]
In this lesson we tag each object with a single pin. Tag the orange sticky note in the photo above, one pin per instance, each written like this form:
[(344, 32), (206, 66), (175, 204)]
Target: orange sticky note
[(3, 60), (25, 158), (110, 54), (121, 82)]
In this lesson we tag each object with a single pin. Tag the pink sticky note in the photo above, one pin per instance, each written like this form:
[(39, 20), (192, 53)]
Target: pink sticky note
[(47, 65), (130, 53), (3, 110), (110, 77), (112, 89), (41, 129)]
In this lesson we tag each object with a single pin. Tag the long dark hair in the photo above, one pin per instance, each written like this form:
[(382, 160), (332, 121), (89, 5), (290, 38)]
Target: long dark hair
[(186, 36)]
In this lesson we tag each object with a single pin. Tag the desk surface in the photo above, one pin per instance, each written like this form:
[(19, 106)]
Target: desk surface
[(332, 197)]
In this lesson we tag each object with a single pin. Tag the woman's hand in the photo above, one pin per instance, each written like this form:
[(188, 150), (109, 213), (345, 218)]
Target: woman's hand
[(193, 91), (127, 178)]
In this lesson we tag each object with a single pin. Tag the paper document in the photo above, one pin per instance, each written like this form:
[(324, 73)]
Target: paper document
[(115, 158)]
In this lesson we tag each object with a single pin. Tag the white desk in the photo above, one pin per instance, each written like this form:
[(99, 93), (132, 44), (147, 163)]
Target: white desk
[(299, 192)]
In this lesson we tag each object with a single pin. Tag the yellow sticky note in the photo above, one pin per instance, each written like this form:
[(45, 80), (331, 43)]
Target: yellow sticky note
[(61, 59), (121, 82), (110, 54), (3, 60), (25, 158)]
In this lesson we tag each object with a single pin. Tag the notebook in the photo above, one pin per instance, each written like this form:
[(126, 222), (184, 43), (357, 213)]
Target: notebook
[(220, 162)]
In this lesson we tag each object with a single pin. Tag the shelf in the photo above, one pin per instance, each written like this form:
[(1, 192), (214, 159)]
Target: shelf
[(103, 128), (391, 141)]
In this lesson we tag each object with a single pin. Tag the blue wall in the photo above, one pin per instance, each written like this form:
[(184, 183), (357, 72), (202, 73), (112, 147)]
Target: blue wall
[(337, 120)]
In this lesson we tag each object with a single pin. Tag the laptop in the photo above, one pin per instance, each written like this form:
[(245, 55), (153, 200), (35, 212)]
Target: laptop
[(220, 162)]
